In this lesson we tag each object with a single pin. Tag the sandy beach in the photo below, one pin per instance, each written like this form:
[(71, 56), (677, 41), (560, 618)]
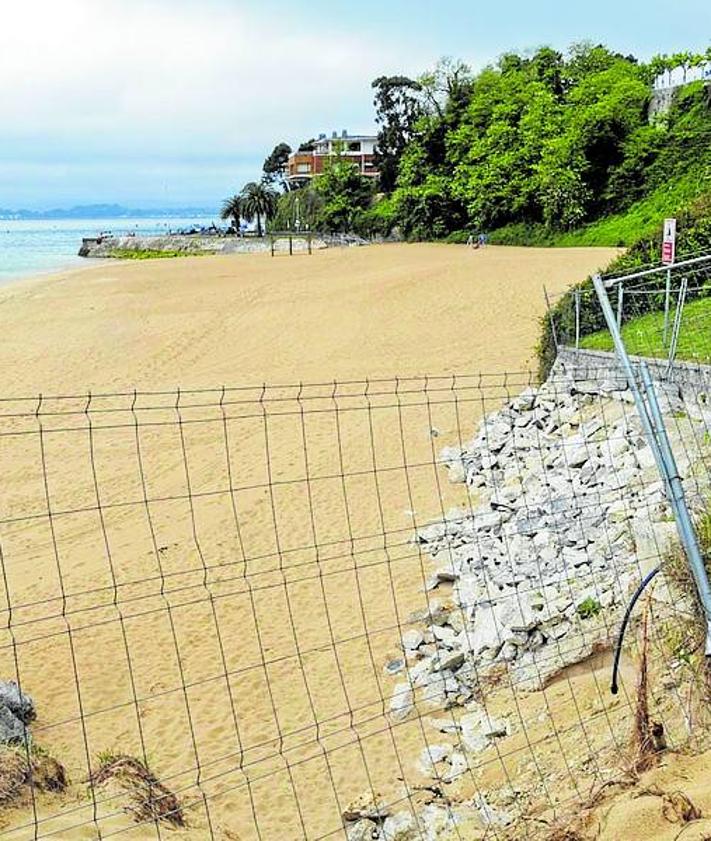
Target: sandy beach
[(398, 309), (213, 580)]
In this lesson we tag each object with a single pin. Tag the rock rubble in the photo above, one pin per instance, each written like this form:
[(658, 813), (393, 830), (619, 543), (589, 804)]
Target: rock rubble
[(17, 710), (563, 489), (567, 514)]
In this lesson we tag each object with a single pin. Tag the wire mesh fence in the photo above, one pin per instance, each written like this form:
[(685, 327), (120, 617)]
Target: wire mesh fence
[(664, 312), (374, 609)]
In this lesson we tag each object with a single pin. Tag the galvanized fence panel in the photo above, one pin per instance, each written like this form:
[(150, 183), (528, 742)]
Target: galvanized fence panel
[(318, 610)]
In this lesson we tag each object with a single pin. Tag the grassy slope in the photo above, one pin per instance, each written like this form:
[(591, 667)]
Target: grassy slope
[(643, 335), (640, 221)]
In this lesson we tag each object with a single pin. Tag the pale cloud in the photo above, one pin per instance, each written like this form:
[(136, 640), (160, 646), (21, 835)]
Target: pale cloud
[(123, 80)]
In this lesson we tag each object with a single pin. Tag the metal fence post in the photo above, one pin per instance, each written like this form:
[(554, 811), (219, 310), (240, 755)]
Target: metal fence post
[(550, 316), (620, 303), (626, 363), (577, 319), (677, 499), (677, 327), (667, 304), (657, 438)]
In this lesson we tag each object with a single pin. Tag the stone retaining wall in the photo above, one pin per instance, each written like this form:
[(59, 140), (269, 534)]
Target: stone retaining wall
[(692, 378)]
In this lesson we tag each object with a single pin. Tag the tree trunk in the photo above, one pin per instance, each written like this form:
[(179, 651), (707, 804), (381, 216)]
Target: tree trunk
[(259, 224)]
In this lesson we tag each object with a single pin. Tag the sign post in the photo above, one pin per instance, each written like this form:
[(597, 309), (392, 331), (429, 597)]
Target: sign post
[(669, 242), (668, 258)]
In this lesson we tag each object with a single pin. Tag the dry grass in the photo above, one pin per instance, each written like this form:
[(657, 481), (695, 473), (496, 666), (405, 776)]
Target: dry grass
[(149, 799), (21, 770)]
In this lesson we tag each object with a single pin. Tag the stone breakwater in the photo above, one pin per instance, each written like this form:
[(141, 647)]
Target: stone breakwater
[(119, 246), (568, 513)]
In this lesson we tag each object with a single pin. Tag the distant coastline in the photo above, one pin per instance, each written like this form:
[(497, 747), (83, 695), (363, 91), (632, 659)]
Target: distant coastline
[(31, 247), (106, 211)]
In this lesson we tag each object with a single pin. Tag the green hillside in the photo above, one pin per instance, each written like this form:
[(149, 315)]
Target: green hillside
[(539, 148)]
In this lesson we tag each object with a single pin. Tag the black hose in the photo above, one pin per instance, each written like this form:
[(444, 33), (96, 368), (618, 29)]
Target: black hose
[(614, 688)]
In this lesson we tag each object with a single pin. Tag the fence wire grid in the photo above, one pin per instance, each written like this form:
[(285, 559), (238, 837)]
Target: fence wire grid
[(664, 312), (318, 610)]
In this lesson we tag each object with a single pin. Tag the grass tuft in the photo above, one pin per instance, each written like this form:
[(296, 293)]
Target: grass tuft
[(149, 799)]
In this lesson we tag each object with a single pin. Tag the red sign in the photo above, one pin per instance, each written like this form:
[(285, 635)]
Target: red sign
[(669, 242)]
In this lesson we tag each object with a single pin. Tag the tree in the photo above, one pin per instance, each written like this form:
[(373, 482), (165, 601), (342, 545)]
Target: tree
[(448, 83), (658, 66), (232, 209), (398, 108), (275, 166), (548, 67), (258, 200), (345, 194), (302, 204), (683, 60)]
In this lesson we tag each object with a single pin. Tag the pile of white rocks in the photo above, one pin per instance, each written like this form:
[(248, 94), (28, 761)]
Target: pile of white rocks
[(568, 513)]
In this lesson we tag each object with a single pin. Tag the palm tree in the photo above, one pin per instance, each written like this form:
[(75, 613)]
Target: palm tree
[(232, 209), (258, 200)]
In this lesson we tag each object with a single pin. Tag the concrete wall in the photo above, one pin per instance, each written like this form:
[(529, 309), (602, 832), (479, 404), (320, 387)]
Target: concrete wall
[(589, 365), (114, 246)]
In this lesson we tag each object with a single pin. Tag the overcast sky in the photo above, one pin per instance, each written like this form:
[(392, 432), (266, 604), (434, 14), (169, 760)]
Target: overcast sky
[(169, 102)]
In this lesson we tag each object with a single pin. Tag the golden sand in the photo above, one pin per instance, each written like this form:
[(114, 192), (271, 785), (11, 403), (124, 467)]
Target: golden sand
[(224, 574)]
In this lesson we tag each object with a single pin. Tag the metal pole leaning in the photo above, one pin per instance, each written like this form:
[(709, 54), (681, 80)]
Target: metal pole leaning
[(626, 363), (550, 316), (677, 499), (677, 327), (650, 417)]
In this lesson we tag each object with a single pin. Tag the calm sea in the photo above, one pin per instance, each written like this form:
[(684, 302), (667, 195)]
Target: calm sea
[(28, 248)]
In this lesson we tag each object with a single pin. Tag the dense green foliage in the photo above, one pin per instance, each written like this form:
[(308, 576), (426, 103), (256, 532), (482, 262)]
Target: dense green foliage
[(340, 200), (548, 148), (541, 148), (345, 195), (397, 109)]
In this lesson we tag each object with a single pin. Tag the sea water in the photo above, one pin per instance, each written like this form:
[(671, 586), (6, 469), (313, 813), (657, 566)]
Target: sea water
[(35, 247)]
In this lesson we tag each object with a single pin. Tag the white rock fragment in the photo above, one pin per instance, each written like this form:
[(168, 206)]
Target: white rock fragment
[(401, 702), (412, 639)]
